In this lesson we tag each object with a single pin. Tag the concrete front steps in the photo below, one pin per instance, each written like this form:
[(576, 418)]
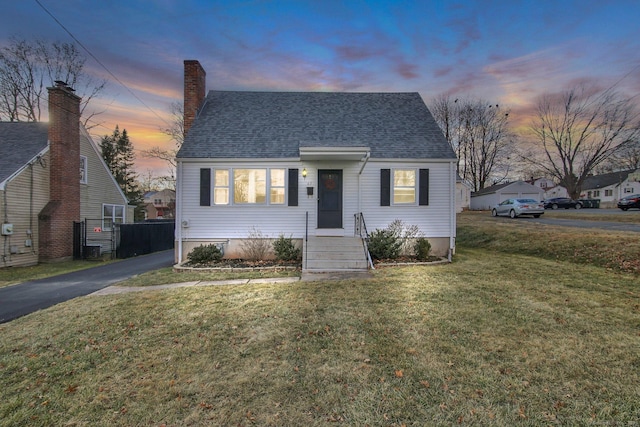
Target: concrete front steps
[(327, 254)]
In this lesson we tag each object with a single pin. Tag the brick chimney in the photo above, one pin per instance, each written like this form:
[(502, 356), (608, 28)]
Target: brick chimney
[(56, 219), (195, 85)]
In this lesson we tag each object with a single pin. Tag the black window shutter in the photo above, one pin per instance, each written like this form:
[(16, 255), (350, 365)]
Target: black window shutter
[(205, 187), (293, 187), (385, 187), (423, 190)]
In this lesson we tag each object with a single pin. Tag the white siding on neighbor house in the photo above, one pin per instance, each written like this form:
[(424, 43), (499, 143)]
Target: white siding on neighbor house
[(618, 191), (223, 222), (25, 197), (516, 189)]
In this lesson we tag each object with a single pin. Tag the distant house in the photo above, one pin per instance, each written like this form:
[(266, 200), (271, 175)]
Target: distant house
[(160, 204), (488, 197), (309, 165), (52, 174), (611, 187)]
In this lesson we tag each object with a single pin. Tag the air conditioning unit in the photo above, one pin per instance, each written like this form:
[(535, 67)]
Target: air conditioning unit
[(185, 223)]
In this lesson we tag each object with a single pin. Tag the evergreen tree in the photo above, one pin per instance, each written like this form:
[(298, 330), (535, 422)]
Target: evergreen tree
[(117, 152)]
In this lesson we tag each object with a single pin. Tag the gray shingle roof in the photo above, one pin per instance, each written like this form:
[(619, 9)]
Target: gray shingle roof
[(19, 143), (276, 124), (605, 180)]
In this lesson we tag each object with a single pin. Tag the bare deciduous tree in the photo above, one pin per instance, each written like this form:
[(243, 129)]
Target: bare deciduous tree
[(579, 130), (627, 158), (28, 67), (176, 132), (478, 132)]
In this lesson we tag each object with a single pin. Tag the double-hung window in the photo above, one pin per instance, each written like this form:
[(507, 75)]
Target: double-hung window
[(112, 214), (404, 186), (221, 187)]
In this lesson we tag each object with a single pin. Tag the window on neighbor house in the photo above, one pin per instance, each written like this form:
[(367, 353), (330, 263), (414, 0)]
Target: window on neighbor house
[(112, 214), (404, 186), (628, 190), (608, 193), (596, 193), (83, 169)]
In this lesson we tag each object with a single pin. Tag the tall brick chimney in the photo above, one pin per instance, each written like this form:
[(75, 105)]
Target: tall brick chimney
[(195, 86), (56, 219)]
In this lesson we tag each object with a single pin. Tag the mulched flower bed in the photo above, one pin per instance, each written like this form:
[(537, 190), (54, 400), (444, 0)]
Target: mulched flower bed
[(241, 263)]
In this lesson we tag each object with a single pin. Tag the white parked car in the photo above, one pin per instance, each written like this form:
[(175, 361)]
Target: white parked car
[(517, 207)]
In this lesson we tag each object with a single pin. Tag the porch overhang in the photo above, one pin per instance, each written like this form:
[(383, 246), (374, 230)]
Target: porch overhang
[(334, 153)]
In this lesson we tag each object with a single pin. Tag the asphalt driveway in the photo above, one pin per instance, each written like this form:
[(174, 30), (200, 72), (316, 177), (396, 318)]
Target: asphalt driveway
[(25, 298)]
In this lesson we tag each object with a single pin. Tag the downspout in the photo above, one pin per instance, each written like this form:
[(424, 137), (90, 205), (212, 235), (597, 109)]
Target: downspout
[(6, 220), (364, 161), (452, 209), (179, 210)]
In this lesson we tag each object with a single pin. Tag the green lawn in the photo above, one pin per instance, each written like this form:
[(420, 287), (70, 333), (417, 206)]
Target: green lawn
[(494, 338)]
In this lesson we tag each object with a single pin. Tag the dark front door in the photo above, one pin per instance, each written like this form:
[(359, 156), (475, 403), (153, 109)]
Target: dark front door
[(329, 198)]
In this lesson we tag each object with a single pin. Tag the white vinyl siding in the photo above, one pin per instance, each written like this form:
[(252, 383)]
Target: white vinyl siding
[(361, 193), (433, 220)]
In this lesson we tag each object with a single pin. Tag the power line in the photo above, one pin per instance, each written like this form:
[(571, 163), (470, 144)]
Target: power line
[(99, 62)]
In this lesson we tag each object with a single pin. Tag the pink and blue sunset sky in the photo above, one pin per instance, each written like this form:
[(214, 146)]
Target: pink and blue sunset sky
[(507, 51)]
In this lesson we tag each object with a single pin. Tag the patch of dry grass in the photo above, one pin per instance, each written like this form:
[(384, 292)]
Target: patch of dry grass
[(486, 340), (613, 250), (168, 275)]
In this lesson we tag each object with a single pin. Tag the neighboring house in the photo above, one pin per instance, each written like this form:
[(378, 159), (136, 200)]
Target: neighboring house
[(611, 187), (544, 183), (52, 174), (160, 204), (557, 191), (307, 164), (463, 194), (551, 190), (488, 197)]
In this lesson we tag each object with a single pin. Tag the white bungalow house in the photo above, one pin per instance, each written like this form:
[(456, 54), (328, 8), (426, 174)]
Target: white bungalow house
[(488, 197), (314, 166), (611, 187)]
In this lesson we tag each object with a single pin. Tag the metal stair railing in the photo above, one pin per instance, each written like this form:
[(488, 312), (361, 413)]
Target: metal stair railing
[(361, 230)]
